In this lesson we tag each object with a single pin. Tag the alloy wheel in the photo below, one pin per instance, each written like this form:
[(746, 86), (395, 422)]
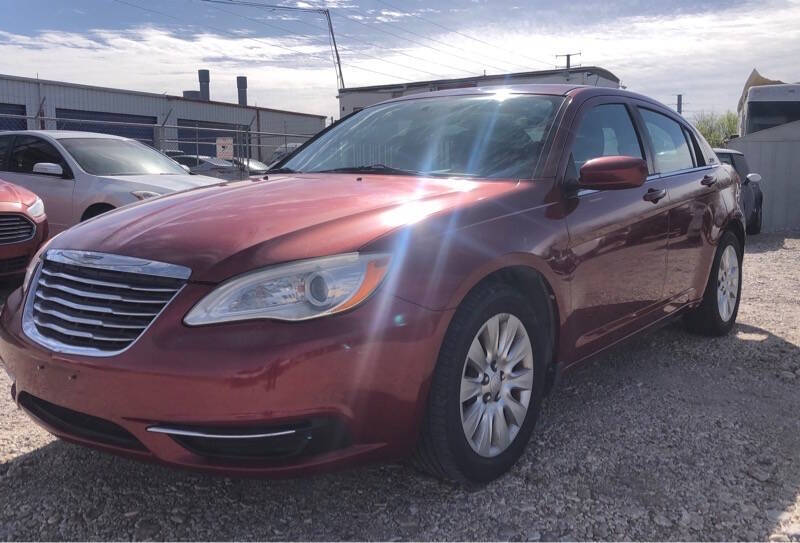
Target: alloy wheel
[(727, 283), (496, 384)]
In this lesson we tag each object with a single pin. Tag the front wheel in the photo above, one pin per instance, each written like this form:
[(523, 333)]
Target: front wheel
[(717, 312), (487, 387)]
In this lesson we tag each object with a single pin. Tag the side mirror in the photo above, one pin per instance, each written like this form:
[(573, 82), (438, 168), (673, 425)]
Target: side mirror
[(613, 172), (48, 168), (752, 178), (186, 168)]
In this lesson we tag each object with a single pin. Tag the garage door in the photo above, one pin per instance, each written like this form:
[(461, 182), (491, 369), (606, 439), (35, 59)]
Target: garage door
[(141, 133), (11, 123)]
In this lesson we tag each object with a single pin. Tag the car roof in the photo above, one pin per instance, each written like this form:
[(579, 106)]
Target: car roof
[(63, 134), (730, 151), (548, 89)]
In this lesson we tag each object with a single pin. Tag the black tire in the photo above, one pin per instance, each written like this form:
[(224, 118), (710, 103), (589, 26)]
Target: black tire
[(754, 226), (705, 319), (443, 450), (96, 210)]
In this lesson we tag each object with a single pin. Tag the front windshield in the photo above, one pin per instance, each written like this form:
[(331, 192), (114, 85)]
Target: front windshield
[(107, 156), (491, 136)]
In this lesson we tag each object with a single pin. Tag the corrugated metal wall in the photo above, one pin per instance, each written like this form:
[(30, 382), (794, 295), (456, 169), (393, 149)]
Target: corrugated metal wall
[(94, 101), (775, 154)]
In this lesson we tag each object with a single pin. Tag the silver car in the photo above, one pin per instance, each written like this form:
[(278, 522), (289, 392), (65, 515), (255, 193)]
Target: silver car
[(80, 175), (211, 166)]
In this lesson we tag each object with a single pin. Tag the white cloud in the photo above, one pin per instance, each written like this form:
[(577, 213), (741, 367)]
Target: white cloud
[(706, 57)]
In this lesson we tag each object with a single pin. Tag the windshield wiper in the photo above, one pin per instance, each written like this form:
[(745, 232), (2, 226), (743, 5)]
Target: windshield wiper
[(280, 170), (372, 168)]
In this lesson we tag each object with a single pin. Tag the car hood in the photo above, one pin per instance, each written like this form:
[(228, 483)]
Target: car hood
[(14, 194), (166, 183), (229, 228)]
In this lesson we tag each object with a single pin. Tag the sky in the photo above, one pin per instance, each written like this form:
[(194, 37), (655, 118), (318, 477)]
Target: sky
[(702, 49)]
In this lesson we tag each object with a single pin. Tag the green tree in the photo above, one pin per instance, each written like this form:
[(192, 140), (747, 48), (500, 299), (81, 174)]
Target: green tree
[(717, 127)]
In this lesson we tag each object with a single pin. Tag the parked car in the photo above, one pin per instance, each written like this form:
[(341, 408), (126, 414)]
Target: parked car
[(351, 311), (752, 197), (210, 166), (283, 151), (23, 228), (254, 167), (80, 175)]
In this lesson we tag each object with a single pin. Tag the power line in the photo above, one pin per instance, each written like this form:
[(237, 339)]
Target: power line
[(271, 25), (434, 23), (225, 32), (325, 12), (405, 38)]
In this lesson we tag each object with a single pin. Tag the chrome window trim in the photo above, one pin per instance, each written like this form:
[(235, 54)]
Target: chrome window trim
[(33, 233), (189, 433), (128, 264), (103, 261)]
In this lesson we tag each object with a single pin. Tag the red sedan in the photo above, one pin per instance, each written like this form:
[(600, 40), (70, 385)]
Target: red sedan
[(411, 283), (23, 228)]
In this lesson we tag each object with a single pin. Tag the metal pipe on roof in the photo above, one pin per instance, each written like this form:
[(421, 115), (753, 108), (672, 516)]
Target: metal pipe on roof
[(205, 77)]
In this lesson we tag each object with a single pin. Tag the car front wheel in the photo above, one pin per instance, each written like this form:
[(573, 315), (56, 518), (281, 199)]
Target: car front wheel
[(487, 387)]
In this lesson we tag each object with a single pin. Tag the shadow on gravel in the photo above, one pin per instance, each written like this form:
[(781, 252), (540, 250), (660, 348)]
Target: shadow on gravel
[(765, 243), (658, 439)]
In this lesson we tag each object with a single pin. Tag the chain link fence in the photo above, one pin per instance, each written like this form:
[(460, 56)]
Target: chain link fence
[(237, 143)]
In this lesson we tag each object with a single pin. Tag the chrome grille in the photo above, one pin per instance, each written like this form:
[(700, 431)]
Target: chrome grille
[(15, 228), (97, 304)]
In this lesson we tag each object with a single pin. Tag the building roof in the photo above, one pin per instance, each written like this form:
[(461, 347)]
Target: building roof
[(154, 95), (593, 69)]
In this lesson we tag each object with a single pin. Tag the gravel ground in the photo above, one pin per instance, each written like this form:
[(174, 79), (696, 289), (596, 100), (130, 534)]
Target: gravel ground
[(668, 436)]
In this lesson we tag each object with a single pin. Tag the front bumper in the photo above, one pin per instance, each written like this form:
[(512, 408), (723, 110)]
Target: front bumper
[(352, 387)]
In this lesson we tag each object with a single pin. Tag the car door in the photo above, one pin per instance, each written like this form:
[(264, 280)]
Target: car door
[(55, 191), (618, 238), (692, 183)]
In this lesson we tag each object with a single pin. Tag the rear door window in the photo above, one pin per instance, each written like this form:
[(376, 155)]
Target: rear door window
[(671, 148)]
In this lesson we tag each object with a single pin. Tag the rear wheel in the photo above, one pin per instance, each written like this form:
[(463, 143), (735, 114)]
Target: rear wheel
[(487, 387), (717, 312)]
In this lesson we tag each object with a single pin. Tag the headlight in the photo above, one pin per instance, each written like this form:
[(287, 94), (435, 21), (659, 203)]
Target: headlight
[(294, 292), (36, 209), (145, 194), (34, 263)]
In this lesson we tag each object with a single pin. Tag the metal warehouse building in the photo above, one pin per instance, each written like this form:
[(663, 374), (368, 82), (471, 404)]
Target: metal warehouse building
[(191, 123), (356, 98)]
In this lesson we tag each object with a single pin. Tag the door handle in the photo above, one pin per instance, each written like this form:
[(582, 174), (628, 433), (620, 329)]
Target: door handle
[(654, 195), (708, 180)]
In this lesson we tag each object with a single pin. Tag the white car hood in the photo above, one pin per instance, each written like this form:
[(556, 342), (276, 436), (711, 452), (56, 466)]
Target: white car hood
[(166, 183)]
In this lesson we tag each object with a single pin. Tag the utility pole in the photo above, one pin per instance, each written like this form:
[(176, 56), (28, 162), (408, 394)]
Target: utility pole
[(680, 104), (569, 60), (337, 63)]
